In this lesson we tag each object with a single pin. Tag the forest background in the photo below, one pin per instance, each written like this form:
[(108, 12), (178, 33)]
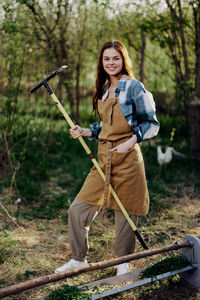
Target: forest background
[(41, 166)]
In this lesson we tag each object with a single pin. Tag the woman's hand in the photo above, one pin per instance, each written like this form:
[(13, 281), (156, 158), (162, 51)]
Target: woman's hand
[(126, 146), (78, 131)]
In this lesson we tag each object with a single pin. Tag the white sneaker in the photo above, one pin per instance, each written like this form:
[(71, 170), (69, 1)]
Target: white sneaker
[(71, 264), (122, 269)]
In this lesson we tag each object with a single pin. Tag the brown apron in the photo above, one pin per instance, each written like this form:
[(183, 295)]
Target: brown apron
[(125, 171)]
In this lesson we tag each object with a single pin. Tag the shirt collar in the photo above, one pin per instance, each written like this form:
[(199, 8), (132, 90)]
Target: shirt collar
[(120, 87)]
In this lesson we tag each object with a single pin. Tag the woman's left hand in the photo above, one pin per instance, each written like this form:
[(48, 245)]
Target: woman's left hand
[(126, 146)]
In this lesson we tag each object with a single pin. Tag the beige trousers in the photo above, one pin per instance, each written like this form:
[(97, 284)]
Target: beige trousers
[(81, 215)]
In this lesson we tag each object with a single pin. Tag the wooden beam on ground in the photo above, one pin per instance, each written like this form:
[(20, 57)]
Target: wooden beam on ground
[(23, 286)]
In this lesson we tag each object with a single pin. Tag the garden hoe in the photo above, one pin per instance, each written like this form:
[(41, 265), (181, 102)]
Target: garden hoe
[(68, 119)]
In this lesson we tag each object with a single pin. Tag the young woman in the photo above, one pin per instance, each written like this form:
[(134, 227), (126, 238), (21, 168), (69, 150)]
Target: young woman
[(127, 113)]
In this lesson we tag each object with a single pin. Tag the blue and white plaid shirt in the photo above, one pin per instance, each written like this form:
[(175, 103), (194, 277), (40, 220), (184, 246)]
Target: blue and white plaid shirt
[(138, 107)]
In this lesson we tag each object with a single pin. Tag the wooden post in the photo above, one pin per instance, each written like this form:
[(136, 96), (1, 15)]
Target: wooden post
[(192, 278), (23, 286)]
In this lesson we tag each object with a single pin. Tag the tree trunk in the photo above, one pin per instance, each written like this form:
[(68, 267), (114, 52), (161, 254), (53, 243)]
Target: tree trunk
[(69, 95), (143, 40), (78, 69), (196, 14), (179, 19), (182, 35), (194, 123)]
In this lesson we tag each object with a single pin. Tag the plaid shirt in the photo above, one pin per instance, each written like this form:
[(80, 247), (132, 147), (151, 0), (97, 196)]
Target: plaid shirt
[(137, 106)]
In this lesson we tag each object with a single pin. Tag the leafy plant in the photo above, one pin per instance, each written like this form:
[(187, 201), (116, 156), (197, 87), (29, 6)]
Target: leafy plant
[(68, 293), (165, 264), (28, 273)]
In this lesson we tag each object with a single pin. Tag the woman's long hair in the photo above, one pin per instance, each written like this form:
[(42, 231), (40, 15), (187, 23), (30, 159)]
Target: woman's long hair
[(102, 76)]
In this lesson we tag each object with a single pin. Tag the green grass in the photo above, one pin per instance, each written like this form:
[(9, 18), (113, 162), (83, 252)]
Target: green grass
[(69, 292), (50, 166), (8, 246), (165, 264)]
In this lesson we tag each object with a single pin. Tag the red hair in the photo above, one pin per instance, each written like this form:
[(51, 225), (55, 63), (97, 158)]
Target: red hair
[(102, 76)]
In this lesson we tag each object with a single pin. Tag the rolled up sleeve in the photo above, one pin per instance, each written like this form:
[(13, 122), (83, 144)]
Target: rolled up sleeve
[(95, 129), (147, 123)]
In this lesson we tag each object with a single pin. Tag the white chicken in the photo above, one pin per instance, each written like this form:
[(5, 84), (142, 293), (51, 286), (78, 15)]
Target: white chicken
[(164, 157)]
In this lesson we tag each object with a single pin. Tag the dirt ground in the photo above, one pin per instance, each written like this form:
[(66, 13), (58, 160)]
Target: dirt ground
[(43, 246)]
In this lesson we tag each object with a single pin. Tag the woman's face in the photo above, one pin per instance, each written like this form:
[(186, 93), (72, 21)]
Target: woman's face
[(112, 61)]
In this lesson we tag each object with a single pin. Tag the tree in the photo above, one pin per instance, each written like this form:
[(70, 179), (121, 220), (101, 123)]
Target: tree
[(13, 51), (150, 63), (178, 33), (51, 22), (177, 30)]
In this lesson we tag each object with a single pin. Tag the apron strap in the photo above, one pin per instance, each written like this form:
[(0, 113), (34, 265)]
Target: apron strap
[(107, 176), (114, 102)]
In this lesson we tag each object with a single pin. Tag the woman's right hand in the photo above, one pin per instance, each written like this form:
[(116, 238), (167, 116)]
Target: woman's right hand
[(77, 131)]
